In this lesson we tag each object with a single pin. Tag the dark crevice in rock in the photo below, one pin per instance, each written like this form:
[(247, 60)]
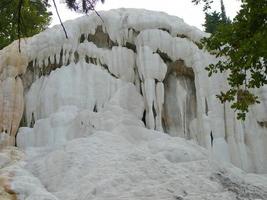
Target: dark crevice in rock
[(154, 110), (179, 68), (164, 29), (101, 39), (33, 71), (23, 121), (104, 66), (68, 60), (60, 61), (87, 59), (134, 32), (164, 56), (82, 38), (141, 90), (182, 36), (28, 77), (95, 109), (262, 124), (144, 117), (157, 81), (76, 57), (92, 60), (198, 44), (178, 197), (164, 125), (211, 139), (32, 121), (130, 46), (52, 65)]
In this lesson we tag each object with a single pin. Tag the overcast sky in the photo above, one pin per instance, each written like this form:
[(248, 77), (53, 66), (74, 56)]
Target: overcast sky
[(185, 9)]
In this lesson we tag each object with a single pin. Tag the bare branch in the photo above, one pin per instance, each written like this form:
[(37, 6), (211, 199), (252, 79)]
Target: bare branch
[(60, 19), (93, 8), (19, 20)]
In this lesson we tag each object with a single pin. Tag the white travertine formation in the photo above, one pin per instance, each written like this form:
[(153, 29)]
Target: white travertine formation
[(156, 52), (12, 64)]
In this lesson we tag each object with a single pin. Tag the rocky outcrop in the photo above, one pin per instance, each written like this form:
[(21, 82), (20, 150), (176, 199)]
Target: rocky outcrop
[(8, 159), (12, 65), (156, 53)]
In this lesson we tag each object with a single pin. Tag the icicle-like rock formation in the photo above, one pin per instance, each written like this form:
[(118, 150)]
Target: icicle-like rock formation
[(12, 65), (154, 53)]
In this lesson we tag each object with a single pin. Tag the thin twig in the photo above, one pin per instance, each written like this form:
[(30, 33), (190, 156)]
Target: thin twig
[(93, 8), (19, 20), (60, 20), (98, 15)]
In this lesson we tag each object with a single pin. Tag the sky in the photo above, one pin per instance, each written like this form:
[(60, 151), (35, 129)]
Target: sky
[(185, 9)]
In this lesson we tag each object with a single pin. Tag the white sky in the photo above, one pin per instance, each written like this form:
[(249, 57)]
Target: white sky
[(185, 9)]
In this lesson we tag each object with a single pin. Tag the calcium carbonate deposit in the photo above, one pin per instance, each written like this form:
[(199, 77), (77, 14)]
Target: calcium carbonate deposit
[(124, 109)]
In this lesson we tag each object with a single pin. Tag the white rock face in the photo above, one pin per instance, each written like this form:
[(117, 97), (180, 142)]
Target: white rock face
[(83, 85), (144, 62), (111, 155), (12, 64)]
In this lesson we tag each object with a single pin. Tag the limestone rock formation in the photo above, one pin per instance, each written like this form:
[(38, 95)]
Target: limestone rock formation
[(12, 65), (153, 52)]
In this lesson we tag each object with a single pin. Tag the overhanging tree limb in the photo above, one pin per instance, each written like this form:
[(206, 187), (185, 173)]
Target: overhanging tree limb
[(28, 8), (19, 20), (60, 19), (93, 8)]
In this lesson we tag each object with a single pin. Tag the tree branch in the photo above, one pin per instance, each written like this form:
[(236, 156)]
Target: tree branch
[(93, 8), (19, 20), (60, 20)]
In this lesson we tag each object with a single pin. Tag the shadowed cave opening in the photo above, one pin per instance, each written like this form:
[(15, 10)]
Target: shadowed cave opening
[(180, 103)]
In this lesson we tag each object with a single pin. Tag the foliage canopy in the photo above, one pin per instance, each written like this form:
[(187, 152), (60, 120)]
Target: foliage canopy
[(34, 18), (215, 19), (243, 44)]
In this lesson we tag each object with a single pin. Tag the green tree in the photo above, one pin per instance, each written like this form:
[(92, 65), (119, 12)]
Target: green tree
[(215, 19), (212, 21), (243, 44), (223, 13), (31, 19)]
